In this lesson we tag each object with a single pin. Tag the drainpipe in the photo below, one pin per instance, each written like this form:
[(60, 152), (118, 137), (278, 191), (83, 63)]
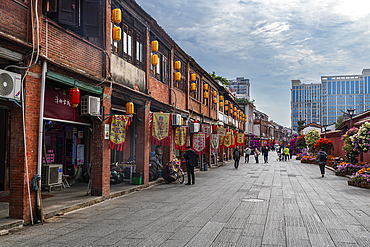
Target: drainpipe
[(41, 123)]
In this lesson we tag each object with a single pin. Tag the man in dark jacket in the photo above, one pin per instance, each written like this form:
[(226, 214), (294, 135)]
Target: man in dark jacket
[(265, 152), (322, 157), (191, 161), (236, 157), (167, 173)]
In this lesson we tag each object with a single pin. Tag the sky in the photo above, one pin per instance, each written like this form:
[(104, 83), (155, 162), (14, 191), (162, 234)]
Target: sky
[(270, 42)]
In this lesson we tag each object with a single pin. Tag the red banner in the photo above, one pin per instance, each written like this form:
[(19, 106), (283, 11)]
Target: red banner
[(206, 129), (240, 139), (199, 143), (118, 131), (161, 128), (180, 138)]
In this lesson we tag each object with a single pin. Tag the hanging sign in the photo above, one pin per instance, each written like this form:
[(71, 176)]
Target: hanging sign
[(180, 138), (199, 142), (206, 129), (118, 132), (221, 131), (161, 131), (215, 142), (227, 140), (222, 138), (233, 141), (240, 139)]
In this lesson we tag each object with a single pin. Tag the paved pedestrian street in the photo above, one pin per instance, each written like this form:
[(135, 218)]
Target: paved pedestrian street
[(273, 204)]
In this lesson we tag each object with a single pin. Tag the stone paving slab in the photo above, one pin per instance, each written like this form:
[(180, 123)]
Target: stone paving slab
[(280, 204)]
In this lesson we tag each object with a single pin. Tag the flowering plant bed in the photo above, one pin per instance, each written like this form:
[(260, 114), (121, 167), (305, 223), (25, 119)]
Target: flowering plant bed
[(309, 160), (361, 178), (349, 169)]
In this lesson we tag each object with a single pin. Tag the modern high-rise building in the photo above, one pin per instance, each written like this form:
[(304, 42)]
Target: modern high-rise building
[(335, 95), (241, 87), (305, 103)]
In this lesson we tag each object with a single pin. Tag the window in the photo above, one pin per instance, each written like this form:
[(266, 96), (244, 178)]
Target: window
[(83, 17), (347, 87), (131, 46), (195, 94), (161, 70)]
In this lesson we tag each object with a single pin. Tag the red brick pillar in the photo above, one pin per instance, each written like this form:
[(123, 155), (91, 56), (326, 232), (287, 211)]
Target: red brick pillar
[(143, 141), (19, 206), (208, 152), (168, 150), (101, 153)]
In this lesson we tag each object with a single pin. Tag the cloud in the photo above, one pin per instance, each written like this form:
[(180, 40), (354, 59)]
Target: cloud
[(270, 42)]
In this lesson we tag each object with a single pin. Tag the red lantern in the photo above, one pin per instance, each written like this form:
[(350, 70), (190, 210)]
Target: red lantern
[(195, 121), (74, 97), (214, 127)]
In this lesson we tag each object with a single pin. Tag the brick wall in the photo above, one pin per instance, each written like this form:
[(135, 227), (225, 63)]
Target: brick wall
[(19, 202), (143, 142), (70, 49), (13, 19), (101, 154), (159, 91), (181, 99)]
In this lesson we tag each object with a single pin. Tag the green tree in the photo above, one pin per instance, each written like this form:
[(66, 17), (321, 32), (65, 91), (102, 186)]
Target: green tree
[(339, 121), (311, 138), (219, 78)]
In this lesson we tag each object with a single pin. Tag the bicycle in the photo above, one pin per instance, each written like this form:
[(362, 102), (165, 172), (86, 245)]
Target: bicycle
[(178, 172)]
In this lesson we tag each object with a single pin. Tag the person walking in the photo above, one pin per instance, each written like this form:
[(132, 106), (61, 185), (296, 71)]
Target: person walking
[(191, 158), (265, 152), (286, 153), (236, 155), (290, 152), (247, 153), (256, 154), (322, 157)]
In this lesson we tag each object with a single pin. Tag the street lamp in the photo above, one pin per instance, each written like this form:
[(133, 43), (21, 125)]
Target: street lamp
[(325, 127), (351, 113)]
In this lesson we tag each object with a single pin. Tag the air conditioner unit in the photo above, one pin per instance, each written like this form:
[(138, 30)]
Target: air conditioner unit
[(194, 127), (90, 105), (10, 85), (52, 174), (176, 119)]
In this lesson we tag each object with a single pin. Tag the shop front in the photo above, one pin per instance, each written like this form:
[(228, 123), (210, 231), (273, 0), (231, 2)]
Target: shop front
[(66, 139), (4, 146)]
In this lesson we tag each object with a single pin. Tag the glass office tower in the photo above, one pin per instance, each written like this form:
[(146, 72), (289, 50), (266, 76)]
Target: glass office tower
[(338, 93)]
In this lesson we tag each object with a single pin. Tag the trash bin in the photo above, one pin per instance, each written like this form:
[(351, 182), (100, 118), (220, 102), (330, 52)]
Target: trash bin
[(137, 178), (206, 167)]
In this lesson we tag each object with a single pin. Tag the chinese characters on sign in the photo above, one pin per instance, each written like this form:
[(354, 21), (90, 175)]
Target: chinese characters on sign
[(58, 100), (180, 137), (199, 142), (161, 128), (240, 139), (118, 131)]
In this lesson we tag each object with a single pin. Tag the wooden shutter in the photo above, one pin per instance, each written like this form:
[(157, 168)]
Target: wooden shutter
[(92, 18), (68, 12)]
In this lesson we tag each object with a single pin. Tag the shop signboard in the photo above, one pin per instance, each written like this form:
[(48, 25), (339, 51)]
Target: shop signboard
[(57, 106)]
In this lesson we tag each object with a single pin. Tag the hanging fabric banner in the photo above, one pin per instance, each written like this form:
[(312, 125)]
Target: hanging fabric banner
[(180, 138), (221, 131), (240, 139), (215, 143), (199, 143), (227, 140), (161, 129), (233, 141), (206, 129), (118, 132), (222, 138)]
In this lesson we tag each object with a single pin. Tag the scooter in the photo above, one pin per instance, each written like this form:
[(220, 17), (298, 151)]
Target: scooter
[(116, 174)]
